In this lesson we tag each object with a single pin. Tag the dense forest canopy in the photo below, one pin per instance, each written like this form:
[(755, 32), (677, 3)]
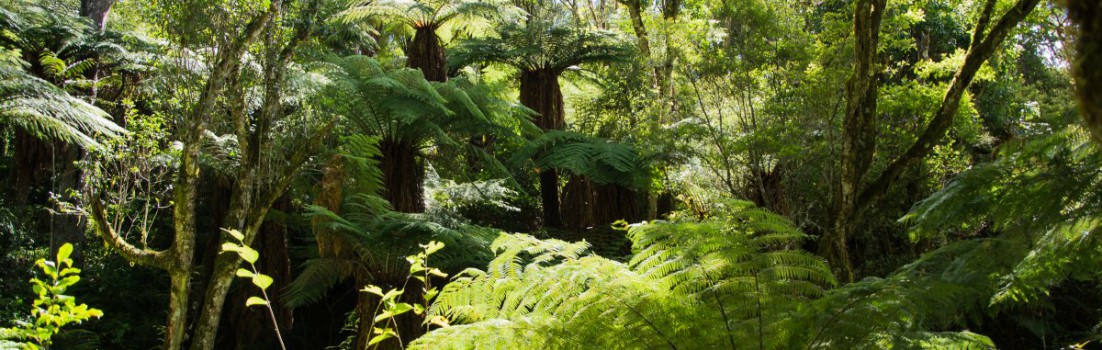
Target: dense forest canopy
[(550, 174)]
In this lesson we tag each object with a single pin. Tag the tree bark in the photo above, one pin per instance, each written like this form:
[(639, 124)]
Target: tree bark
[(426, 53), (540, 91), (97, 10), (981, 49), (403, 175), (858, 140), (1087, 17), (859, 124), (67, 227)]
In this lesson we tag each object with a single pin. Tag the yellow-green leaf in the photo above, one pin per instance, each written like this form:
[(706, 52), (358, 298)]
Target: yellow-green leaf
[(387, 334), (262, 281), (64, 251), (236, 234), (373, 289), (255, 301), (249, 254)]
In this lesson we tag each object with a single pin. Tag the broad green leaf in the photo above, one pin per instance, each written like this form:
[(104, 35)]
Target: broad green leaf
[(245, 273), (255, 301), (249, 254), (64, 251), (262, 281), (432, 247), (439, 321), (387, 334), (401, 308), (230, 247), (373, 289), (393, 293), (236, 234), (383, 316)]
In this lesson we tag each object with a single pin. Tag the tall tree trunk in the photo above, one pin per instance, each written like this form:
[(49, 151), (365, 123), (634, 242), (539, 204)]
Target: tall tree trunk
[(67, 227), (540, 91), (858, 139), (31, 160), (858, 128), (1087, 17), (403, 175), (96, 10), (426, 53)]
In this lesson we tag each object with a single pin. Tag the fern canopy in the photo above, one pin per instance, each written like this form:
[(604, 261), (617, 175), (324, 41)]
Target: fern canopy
[(603, 161), (541, 45), (46, 111)]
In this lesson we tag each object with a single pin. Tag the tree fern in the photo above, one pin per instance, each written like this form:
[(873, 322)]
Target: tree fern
[(715, 284), (1040, 190), (380, 239), (603, 161), (47, 111)]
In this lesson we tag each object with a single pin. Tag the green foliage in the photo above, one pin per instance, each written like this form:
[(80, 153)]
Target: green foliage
[(385, 324), (540, 44), (431, 13), (600, 160), (1039, 190), (47, 111), (375, 235), (718, 283), (260, 280), (52, 309)]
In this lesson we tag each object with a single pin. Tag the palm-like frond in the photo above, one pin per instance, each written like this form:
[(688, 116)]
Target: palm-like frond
[(600, 160), (1041, 191), (47, 111), (380, 239), (690, 285), (540, 45), (426, 14)]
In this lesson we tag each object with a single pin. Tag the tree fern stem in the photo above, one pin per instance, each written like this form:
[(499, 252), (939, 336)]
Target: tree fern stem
[(722, 313), (652, 326)]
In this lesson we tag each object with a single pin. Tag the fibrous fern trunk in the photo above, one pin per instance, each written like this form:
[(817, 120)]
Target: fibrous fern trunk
[(426, 53), (540, 91), (403, 175)]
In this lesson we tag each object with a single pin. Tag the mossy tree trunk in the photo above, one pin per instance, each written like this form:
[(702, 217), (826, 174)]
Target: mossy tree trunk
[(540, 91), (858, 138), (1087, 17)]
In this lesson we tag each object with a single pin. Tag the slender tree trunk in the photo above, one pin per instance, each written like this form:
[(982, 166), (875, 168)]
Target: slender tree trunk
[(403, 175), (858, 128), (426, 53), (176, 328), (859, 124), (96, 10), (67, 227), (540, 91)]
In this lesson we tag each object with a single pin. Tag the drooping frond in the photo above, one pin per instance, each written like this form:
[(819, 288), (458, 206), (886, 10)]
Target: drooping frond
[(49, 112), (430, 13), (379, 240), (540, 45), (600, 160), (715, 284), (1043, 191)]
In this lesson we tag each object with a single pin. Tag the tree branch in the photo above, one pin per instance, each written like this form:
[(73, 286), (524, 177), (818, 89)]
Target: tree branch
[(132, 253), (981, 49)]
